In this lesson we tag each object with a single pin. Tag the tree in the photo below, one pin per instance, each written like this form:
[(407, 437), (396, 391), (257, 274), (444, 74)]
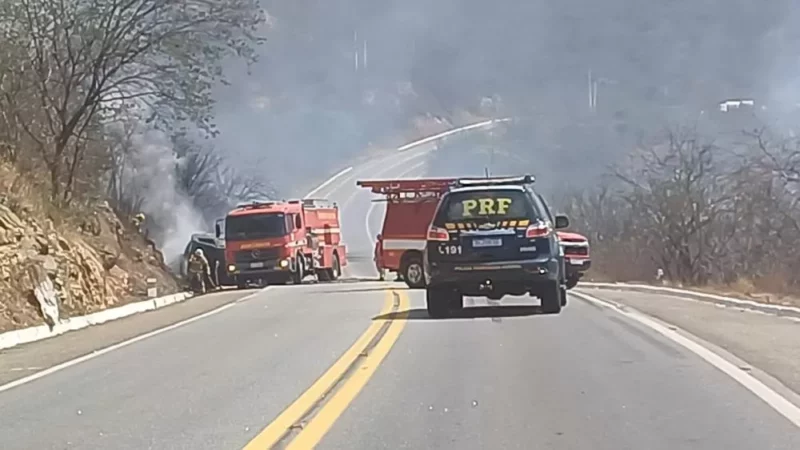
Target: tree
[(701, 212), (678, 190), (85, 60)]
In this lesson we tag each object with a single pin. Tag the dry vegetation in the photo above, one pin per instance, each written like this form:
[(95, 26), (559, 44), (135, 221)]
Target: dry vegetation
[(707, 214), (86, 88)]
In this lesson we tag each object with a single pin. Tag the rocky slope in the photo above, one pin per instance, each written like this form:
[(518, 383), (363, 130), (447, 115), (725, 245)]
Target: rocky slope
[(55, 264)]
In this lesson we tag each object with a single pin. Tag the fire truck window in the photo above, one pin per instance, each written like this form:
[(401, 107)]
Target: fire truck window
[(298, 222), (289, 222), (255, 226)]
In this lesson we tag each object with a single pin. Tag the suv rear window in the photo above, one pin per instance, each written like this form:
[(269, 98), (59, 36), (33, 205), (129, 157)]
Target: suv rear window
[(485, 205)]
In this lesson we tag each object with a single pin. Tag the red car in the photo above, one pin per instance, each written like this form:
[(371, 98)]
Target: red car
[(576, 256)]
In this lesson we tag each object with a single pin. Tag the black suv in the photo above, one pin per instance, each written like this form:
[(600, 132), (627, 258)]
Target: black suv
[(490, 238)]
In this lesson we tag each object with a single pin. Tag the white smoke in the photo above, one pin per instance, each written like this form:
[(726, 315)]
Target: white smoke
[(151, 175)]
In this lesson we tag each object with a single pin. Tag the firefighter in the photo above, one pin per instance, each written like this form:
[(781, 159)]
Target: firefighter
[(138, 222), (198, 266)]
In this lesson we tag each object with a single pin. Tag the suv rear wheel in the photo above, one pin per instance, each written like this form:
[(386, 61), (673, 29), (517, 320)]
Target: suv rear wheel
[(441, 302), (550, 296)]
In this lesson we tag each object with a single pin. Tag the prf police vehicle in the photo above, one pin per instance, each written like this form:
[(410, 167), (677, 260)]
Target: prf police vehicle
[(493, 237)]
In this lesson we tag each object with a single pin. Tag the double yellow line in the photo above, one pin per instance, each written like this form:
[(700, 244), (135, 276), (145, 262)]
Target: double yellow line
[(304, 423)]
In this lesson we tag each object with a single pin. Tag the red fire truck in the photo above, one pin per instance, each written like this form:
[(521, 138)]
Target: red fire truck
[(410, 206), (272, 242)]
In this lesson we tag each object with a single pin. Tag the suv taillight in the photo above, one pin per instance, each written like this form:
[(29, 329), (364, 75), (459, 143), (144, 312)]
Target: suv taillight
[(438, 234), (538, 229)]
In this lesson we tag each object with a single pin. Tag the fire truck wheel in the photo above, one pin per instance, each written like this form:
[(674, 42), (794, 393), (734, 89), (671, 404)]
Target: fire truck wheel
[(333, 273), (241, 283), (413, 273), (336, 269), (299, 270)]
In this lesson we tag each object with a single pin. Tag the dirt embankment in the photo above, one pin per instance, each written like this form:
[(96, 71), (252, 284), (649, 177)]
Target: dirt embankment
[(78, 260)]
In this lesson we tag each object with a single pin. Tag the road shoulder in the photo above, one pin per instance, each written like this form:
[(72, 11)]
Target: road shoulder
[(27, 359), (764, 341)]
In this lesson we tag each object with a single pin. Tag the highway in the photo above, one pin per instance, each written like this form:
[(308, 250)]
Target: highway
[(359, 365)]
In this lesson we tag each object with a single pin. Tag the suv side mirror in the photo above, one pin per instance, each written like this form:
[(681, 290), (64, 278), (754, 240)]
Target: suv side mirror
[(562, 221)]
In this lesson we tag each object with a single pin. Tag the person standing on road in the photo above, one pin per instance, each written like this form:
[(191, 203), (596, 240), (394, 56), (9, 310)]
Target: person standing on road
[(378, 257), (198, 266)]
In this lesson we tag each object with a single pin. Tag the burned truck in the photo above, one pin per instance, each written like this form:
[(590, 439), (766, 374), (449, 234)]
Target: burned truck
[(214, 249)]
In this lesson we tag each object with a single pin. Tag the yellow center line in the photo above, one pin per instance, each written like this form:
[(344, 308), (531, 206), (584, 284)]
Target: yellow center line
[(316, 429), (273, 433)]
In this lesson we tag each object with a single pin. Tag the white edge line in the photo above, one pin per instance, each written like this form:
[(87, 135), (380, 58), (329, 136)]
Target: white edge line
[(35, 333), (328, 181), (111, 348), (690, 294), (779, 403), (412, 145), (449, 132)]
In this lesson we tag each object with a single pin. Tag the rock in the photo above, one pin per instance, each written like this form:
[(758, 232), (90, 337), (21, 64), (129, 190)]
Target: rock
[(45, 294), (63, 244), (108, 258), (6, 237), (28, 248), (50, 265), (43, 245), (91, 225), (9, 220)]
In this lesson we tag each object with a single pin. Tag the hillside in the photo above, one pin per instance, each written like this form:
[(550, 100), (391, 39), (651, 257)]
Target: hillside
[(93, 260)]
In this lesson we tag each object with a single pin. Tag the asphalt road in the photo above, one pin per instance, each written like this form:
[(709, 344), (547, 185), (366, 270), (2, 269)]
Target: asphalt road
[(359, 365)]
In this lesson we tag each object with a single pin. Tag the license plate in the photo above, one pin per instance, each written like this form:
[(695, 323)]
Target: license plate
[(576, 262), (487, 242), (256, 265)]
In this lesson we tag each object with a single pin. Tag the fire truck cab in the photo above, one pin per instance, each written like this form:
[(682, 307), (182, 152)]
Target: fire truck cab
[(273, 242), (410, 206)]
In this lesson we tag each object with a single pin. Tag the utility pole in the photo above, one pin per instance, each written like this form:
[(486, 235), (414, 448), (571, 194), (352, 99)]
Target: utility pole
[(355, 47), (359, 53), (365, 54), (491, 151)]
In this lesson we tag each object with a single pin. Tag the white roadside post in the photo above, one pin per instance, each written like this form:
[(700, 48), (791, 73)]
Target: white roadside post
[(152, 289)]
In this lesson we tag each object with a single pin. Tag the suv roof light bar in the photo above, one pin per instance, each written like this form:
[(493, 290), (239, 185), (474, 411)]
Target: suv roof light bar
[(497, 181)]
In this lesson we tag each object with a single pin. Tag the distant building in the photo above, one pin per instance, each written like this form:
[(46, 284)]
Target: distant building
[(727, 105)]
